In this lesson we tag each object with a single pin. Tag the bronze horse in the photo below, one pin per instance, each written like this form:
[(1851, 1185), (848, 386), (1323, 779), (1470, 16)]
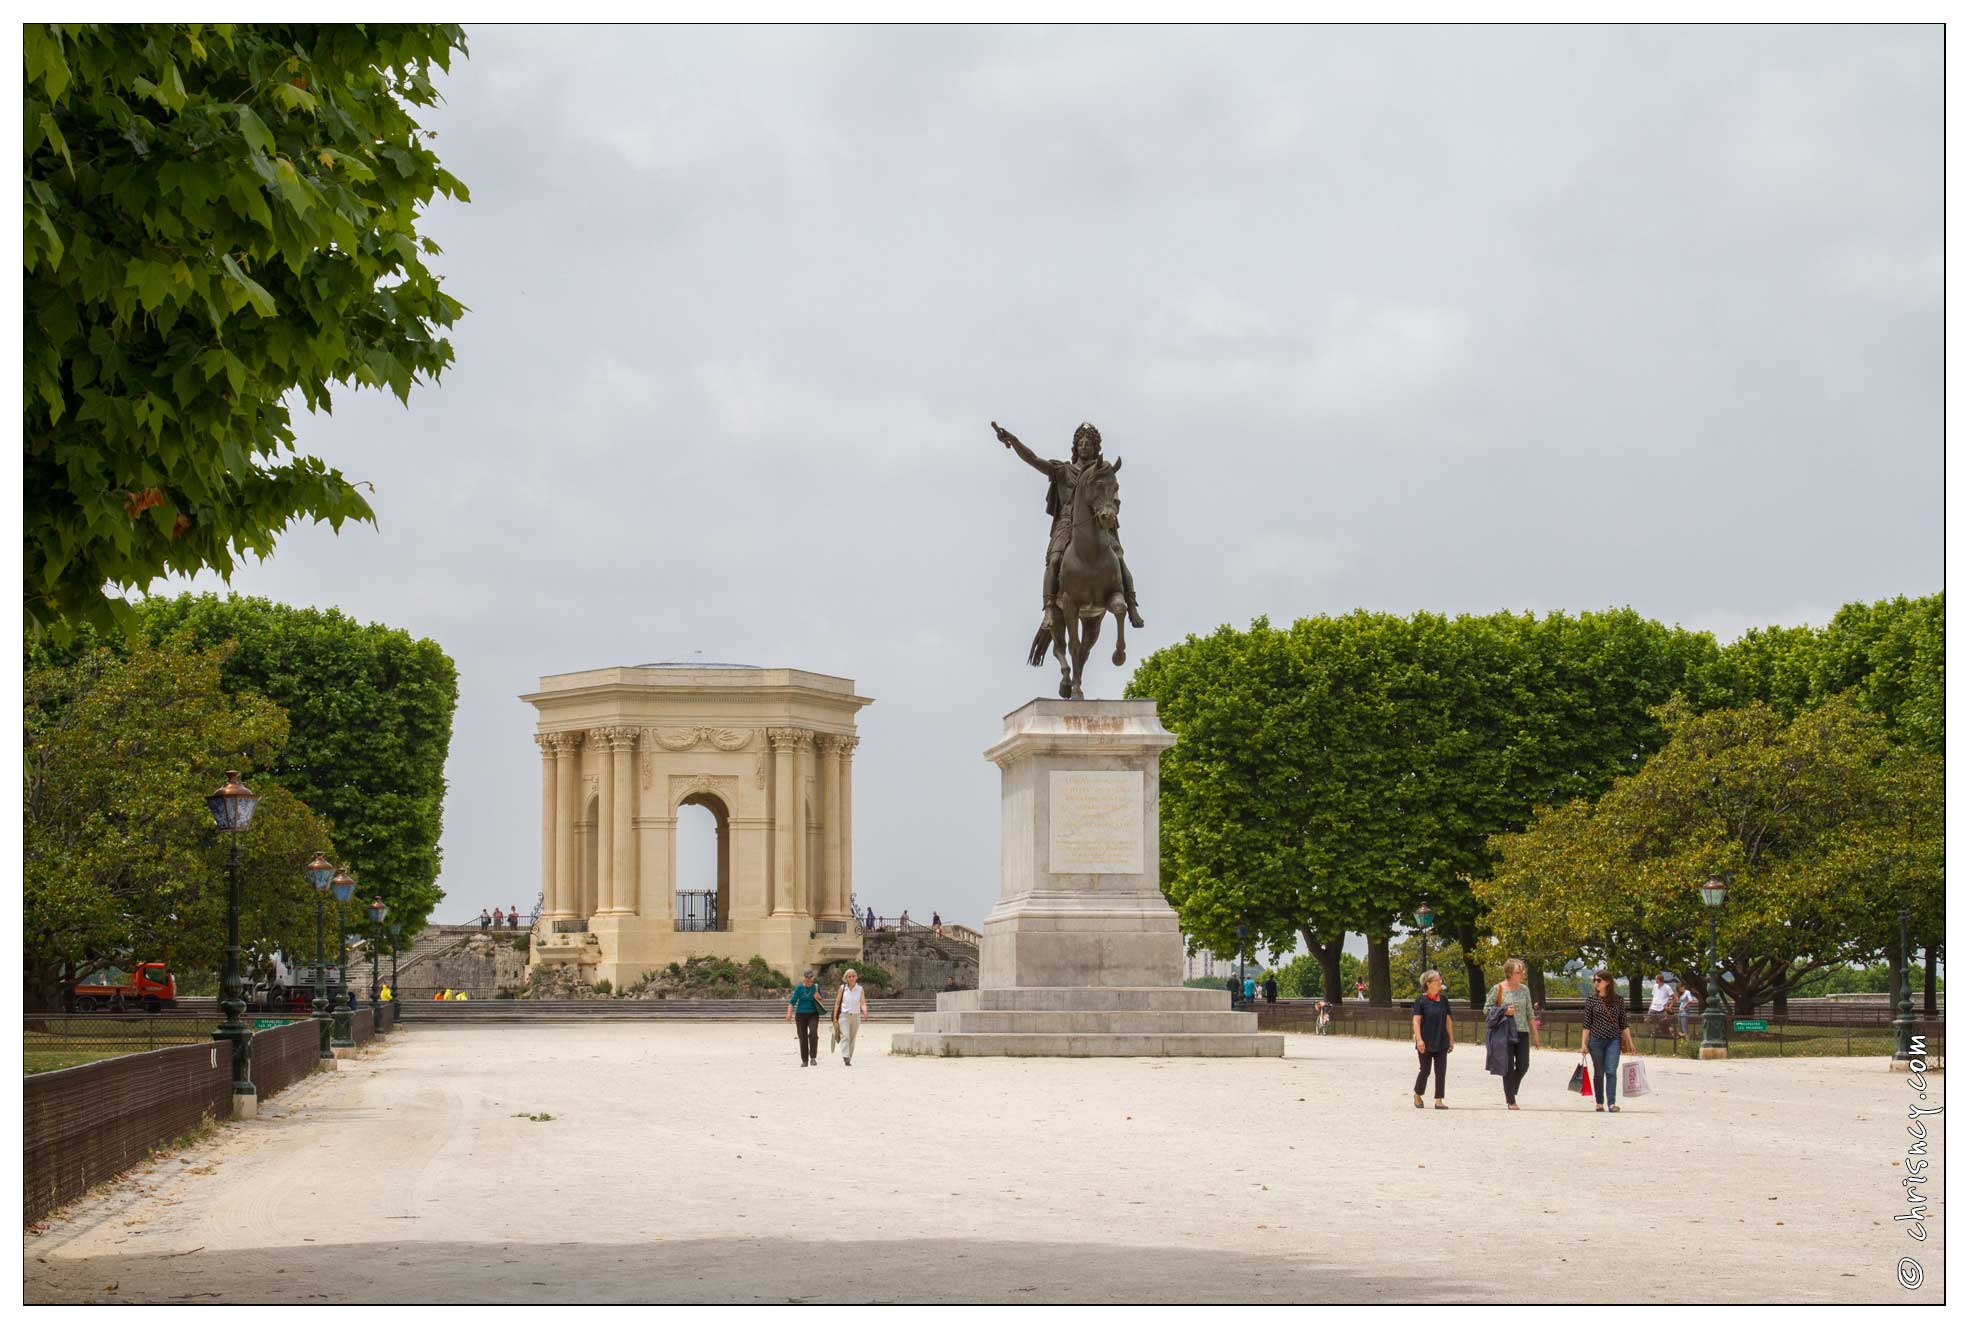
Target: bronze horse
[(1090, 584)]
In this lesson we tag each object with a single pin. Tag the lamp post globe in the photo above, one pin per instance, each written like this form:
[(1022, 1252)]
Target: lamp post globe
[(342, 886), (1715, 1021), (232, 807), (320, 873)]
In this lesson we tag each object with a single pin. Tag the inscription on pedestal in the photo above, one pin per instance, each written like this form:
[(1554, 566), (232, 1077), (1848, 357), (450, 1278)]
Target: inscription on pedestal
[(1096, 821)]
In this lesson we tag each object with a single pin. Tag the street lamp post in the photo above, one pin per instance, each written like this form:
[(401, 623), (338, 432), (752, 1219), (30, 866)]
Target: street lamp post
[(1240, 964), (1425, 918), (1904, 1010), (343, 886), (232, 808), (320, 873), (376, 911), (1715, 1021), (396, 993)]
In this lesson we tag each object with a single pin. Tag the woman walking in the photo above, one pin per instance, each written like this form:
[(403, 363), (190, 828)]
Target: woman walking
[(1434, 1035), (1604, 1038), (1509, 1036), (850, 1009), (803, 1008)]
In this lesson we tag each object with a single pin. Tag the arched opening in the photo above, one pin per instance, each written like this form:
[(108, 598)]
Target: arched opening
[(703, 868), (589, 829)]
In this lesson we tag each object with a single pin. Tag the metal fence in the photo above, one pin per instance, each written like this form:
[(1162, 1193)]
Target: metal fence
[(1820, 1036), (84, 1125), (284, 1056)]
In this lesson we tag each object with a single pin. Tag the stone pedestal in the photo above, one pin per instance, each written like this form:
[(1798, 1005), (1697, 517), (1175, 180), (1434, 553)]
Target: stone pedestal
[(1082, 957)]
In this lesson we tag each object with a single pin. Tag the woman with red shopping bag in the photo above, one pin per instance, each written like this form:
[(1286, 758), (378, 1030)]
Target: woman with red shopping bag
[(1602, 1039)]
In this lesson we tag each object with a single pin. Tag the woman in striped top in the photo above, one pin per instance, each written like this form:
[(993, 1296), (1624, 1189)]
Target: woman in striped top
[(1602, 1039)]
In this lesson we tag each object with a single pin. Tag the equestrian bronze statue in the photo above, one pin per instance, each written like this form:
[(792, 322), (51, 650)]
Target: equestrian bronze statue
[(1087, 575)]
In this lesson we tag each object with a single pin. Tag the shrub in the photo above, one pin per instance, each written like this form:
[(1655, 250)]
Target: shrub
[(603, 988)]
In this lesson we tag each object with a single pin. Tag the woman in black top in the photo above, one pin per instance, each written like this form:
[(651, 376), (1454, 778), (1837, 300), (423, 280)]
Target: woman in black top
[(1435, 1035), (1602, 1038)]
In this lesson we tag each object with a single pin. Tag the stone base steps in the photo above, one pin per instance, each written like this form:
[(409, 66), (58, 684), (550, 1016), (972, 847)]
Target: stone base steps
[(1086, 999), (1088, 1045), (1087, 1022), (517, 1011)]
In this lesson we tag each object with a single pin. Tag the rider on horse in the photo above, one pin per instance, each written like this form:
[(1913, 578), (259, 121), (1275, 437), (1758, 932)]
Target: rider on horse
[(1064, 475)]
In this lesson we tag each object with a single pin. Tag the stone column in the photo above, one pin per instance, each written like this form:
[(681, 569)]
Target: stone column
[(567, 805), (804, 867), (601, 742), (622, 846), (787, 819), (827, 900), (549, 821), (846, 888)]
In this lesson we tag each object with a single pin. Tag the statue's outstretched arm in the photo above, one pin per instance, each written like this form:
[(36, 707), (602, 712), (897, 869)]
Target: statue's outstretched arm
[(1026, 454)]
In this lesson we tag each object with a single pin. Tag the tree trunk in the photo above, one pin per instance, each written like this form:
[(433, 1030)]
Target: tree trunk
[(1466, 937), (1928, 980), (1636, 1002), (1380, 990), (1779, 1003), (1535, 980), (1328, 954)]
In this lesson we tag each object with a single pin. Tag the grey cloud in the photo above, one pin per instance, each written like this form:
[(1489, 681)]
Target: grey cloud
[(1452, 318)]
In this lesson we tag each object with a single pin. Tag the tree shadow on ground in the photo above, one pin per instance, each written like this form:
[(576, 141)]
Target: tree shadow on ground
[(766, 1269)]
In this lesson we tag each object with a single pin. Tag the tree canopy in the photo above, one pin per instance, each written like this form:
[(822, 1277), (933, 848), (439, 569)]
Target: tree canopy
[(215, 218), (121, 861), (1331, 776), (369, 711), (1817, 823)]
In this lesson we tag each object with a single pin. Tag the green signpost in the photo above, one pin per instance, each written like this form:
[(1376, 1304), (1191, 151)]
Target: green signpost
[(1752, 1026)]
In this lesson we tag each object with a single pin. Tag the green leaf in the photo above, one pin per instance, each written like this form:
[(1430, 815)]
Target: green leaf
[(258, 136), (256, 294)]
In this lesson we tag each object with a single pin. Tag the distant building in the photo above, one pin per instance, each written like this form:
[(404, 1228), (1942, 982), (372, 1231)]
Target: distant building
[(1202, 964)]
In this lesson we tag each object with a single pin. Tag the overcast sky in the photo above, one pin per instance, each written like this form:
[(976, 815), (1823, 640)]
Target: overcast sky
[(1451, 319)]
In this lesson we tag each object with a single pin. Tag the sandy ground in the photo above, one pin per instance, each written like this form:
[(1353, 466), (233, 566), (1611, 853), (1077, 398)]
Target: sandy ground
[(689, 1162)]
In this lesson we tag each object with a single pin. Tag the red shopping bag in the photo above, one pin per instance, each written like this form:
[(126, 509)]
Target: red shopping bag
[(1585, 1082)]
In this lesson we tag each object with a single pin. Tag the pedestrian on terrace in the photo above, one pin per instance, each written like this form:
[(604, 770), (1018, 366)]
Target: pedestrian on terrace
[(803, 1009), (485, 920), (1603, 1039), (498, 918), (1271, 989), (1435, 1035), (514, 915), (850, 1009), (1509, 1036)]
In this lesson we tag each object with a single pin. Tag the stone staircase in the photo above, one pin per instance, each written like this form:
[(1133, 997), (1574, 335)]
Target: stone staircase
[(1087, 1022), (415, 965)]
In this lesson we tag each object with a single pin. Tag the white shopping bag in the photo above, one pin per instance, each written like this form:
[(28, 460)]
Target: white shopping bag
[(1633, 1078)]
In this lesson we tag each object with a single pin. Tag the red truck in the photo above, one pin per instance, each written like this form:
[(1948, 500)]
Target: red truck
[(148, 986)]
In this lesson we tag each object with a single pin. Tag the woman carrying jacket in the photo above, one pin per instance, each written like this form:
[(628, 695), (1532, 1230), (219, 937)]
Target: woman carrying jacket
[(1509, 1036)]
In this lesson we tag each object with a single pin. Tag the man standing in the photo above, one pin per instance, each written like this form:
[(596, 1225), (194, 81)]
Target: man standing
[(1658, 1004), (1271, 990)]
